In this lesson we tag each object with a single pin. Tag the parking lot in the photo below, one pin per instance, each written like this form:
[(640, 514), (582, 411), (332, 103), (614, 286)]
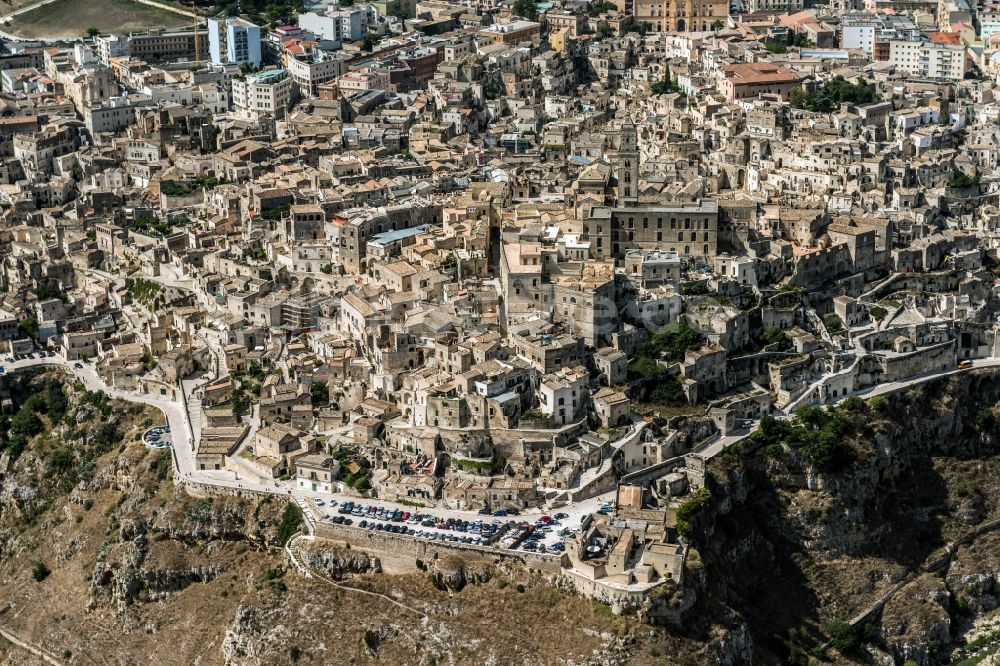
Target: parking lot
[(158, 437), (544, 534)]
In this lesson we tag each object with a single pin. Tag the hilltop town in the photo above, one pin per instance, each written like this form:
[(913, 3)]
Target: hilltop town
[(504, 278)]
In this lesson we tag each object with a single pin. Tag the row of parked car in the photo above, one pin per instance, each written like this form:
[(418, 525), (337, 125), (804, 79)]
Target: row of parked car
[(38, 354), (477, 532)]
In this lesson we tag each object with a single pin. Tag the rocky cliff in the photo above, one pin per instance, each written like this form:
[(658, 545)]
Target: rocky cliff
[(800, 540)]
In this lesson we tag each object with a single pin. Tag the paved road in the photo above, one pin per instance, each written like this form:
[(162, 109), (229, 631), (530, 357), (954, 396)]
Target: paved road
[(712, 449), (179, 421)]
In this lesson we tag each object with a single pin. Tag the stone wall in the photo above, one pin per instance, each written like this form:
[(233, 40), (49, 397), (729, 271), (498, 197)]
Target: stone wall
[(422, 549)]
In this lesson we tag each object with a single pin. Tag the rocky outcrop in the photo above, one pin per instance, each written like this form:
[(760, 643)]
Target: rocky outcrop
[(454, 573), (916, 621), (973, 576), (125, 575), (890, 509), (337, 562)]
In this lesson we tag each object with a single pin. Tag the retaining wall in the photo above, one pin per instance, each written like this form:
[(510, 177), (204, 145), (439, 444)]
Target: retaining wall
[(400, 545)]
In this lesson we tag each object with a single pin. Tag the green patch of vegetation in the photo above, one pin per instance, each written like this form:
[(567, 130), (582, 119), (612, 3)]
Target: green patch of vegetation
[(355, 469), (877, 312), (833, 323), (691, 506), (39, 570), (599, 8), (775, 335), (670, 343), (370, 42), (275, 213), (985, 419), (665, 86), (291, 520), (694, 289), (841, 636), (879, 405), (668, 392), (47, 290), (775, 48), (142, 290), (525, 8), (603, 608), (29, 326), (490, 467), (180, 188), (200, 511), (830, 95), (150, 225), (817, 434), (320, 393), (960, 180)]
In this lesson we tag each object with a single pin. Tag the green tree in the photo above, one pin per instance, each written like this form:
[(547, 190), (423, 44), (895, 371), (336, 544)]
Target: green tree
[(320, 393), (291, 519), (371, 40), (841, 636), (29, 326), (93, 32), (985, 419), (598, 8), (877, 312), (799, 98), (666, 85), (39, 570), (831, 94), (26, 423), (668, 391), (526, 8), (960, 180), (773, 335)]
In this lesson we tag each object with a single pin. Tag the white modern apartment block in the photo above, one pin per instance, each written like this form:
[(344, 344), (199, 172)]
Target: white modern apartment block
[(928, 60), (234, 40), (310, 73), (265, 94), (343, 24), (858, 31)]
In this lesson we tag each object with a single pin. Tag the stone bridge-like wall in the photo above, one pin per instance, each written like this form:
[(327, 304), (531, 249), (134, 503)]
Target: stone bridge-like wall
[(422, 549)]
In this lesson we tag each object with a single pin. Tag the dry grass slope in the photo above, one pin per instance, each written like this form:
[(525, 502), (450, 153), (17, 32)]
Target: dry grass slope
[(70, 19)]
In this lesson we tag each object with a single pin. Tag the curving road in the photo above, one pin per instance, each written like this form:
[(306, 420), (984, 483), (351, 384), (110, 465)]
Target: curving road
[(179, 420)]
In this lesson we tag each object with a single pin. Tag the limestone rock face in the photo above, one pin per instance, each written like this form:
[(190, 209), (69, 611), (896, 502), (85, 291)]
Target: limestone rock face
[(454, 573), (337, 562)]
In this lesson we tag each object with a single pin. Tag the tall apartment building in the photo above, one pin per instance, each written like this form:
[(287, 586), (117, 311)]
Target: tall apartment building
[(265, 94), (681, 15), (309, 73), (857, 31), (344, 24), (928, 60), (234, 40)]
